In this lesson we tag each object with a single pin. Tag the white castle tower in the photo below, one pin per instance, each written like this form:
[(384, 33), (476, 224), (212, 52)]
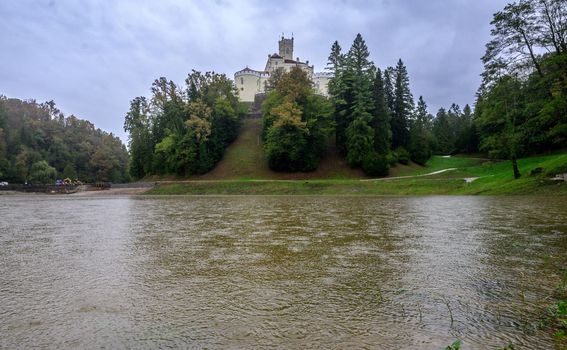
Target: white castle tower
[(250, 82)]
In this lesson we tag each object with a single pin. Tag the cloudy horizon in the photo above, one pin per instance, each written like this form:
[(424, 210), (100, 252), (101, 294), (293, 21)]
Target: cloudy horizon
[(93, 57)]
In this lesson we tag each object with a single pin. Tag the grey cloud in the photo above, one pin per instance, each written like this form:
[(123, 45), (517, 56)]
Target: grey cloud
[(92, 57)]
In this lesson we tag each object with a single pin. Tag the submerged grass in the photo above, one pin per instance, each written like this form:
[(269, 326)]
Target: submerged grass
[(494, 178)]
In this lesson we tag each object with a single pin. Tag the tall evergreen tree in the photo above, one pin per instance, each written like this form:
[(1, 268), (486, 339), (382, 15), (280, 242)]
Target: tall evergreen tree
[(443, 132), (420, 150), (389, 76), (338, 92), (359, 133), (381, 122), (403, 108), (335, 57)]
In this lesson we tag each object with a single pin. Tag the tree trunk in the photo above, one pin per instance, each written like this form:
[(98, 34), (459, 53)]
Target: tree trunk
[(532, 55), (515, 167)]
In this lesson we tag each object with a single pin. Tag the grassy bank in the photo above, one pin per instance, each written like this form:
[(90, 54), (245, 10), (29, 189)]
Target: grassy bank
[(494, 178)]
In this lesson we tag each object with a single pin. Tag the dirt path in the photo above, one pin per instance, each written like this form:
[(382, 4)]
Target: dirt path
[(410, 176)]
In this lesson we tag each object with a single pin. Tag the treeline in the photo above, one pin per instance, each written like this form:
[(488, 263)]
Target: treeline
[(370, 113), (377, 124), (521, 105), (182, 131), (39, 144)]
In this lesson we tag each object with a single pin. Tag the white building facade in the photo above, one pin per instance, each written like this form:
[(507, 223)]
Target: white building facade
[(250, 82)]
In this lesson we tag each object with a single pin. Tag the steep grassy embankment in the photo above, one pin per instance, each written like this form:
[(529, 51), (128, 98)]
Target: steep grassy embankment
[(244, 159)]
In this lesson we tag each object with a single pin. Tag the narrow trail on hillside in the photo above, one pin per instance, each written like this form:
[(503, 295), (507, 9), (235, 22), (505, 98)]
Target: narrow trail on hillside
[(410, 176), (467, 179)]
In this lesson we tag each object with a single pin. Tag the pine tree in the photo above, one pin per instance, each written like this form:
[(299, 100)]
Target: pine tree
[(335, 57), (389, 88), (363, 74), (381, 122), (338, 92), (359, 133), (443, 133), (420, 150), (403, 107)]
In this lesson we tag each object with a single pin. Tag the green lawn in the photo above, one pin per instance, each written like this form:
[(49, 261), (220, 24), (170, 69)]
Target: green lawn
[(494, 178)]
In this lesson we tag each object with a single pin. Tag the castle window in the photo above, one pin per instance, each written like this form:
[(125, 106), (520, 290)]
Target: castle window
[(241, 81)]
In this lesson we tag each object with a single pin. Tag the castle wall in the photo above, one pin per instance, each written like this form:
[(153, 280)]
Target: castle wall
[(321, 83), (248, 85), (250, 82)]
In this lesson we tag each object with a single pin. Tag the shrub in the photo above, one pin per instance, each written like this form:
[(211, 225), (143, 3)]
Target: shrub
[(403, 156), (392, 158), (375, 164), (420, 155)]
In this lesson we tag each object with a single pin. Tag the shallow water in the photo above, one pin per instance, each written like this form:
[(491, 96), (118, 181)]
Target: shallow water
[(285, 272)]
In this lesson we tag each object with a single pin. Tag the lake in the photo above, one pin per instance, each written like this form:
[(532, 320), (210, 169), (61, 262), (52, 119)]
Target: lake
[(278, 271)]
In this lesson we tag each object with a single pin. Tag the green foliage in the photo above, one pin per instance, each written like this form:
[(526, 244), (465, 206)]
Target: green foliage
[(273, 99), (183, 132), (31, 133), (403, 107), (558, 313), (456, 345), (360, 141), (392, 158), (296, 124), (42, 173), (373, 109), (522, 102), (381, 120), (287, 140), (375, 164), (403, 156), (69, 172), (421, 139)]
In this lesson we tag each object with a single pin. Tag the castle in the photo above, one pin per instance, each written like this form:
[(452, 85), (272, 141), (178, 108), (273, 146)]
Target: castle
[(250, 82)]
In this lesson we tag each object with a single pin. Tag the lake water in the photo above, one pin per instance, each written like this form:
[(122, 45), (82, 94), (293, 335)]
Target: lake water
[(283, 272)]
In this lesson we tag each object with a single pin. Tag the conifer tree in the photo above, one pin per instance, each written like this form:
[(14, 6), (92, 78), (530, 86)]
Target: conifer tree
[(380, 122), (403, 107), (360, 75), (443, 133), (363, 74), (420, 150), (334, 58), (389, 75), (338, 92)]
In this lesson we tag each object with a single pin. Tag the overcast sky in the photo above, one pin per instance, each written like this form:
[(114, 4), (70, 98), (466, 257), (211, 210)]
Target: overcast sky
[(93, 57)]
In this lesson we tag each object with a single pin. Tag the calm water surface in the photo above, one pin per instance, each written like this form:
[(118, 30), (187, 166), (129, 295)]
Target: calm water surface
[(284, 272)]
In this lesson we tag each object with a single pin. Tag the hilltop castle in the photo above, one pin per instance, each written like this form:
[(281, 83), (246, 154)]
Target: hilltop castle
[(250, 82)]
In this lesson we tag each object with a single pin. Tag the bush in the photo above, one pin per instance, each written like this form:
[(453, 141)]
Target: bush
[(403, 156), (42, 173), (392, 158), (375, 164), (420, 155)]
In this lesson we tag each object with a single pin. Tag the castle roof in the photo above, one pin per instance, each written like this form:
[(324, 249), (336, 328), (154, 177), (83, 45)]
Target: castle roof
[(294, 61), (275, 56), (250, 70)]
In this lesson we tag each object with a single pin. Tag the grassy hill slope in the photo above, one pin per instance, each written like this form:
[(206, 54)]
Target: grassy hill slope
[(492, 178), (244, 159)]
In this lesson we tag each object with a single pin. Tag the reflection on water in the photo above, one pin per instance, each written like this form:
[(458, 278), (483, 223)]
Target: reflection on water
[(294, 272)]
